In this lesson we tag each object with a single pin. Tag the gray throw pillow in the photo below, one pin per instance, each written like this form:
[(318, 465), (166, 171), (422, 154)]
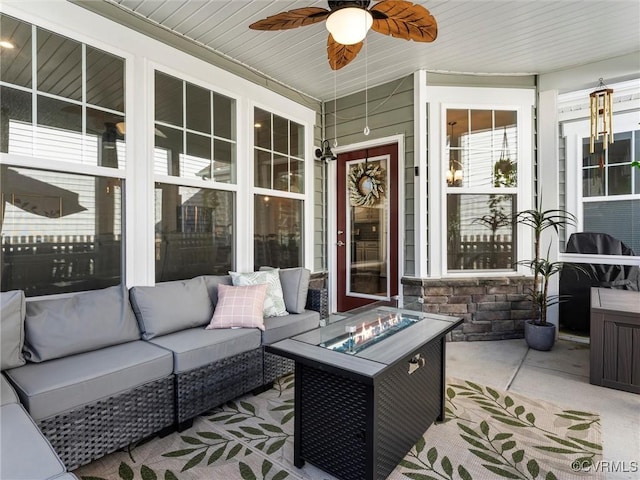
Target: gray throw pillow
[(295, 286), (86, 321), (12, 311), (171, 306), (212, 282)]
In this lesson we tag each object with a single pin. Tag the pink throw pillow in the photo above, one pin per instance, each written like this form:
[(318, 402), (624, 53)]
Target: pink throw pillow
[(239, 307)]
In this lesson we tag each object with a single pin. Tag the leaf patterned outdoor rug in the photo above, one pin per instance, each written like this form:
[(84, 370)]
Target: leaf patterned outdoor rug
[(488, 434)]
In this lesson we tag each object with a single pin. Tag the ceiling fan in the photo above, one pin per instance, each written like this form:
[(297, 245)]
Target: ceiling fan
[(397, 18)]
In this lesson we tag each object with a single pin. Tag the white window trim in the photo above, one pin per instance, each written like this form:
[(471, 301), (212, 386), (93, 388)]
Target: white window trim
[(142, 55), (573, 133), (440, 99)]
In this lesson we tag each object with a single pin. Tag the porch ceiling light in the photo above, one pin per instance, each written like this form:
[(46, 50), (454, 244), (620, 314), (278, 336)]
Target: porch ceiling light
[(349, 25)]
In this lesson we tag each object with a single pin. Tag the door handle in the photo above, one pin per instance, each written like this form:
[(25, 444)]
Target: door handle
[(340, 243), (340, 232)]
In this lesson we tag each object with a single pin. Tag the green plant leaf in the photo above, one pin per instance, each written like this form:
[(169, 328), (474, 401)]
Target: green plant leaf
[(533, 467), (216, 455), (234, 420), (125, 472), (451, 393), (219, 418), (286, 418), (580, 426), (275, 446), (595, 446), (245, 472), (510, 421), (492, 392), (474, 442), (192, 440), (484, 427), (411, 465), (581, 413), (519, 410), (271, 428), (494, 411), (446, 466), (476, 387), (550, 476), (236, 433), (420, 444), (569, 417), (503, 436), (281, 475), (180, 453), (248, 407), (531, 417), (432, 455), (266, 467), (564, 442), (194, 461), (169, 475), (252, 431), (508, 401), (210, 435), (486, 456), (508, 445), (468, 430), (234, 451), (555, 449), (464, 474), (517, 456), (419, 476), (500, 471), (147, 474), (281, 408)]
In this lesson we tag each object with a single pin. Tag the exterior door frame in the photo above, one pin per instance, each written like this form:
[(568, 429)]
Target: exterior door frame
[(332, 231)]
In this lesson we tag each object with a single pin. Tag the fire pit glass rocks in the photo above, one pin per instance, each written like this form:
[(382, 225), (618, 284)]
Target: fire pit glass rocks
[(358, 337)]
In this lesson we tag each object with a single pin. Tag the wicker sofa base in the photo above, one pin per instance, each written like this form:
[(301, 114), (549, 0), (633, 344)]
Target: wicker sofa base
[(95, 430), (276, 366), (204, 388)]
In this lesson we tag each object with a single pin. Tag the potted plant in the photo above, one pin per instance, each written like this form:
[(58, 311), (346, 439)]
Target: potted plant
[(538, 333)]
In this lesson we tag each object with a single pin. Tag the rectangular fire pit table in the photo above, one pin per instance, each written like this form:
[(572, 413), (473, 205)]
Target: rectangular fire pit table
[(366, 389)]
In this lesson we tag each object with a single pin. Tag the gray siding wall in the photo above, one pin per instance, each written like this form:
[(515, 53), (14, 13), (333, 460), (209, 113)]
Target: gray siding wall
[(390, 113)]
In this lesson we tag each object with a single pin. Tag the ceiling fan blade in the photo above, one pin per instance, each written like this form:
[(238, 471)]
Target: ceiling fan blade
[(298, 17), (405, 20), (341, 55)]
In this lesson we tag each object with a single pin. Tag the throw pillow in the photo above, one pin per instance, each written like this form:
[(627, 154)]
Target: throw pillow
[(274, 302), (239, 307)]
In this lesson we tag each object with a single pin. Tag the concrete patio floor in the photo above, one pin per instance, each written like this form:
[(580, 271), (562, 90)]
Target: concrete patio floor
[(560, 376)]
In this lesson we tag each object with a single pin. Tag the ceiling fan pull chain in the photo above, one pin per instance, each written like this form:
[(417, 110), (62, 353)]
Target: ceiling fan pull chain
[(335, 111)]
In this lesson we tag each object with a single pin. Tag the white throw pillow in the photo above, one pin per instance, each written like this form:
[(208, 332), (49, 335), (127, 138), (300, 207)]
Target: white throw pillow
[(274, 302)]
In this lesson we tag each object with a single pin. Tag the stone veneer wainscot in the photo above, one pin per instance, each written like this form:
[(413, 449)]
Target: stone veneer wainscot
[(493, 308)]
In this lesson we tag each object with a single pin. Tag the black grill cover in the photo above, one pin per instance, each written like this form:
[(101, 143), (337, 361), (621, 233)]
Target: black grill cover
[(575, 286)]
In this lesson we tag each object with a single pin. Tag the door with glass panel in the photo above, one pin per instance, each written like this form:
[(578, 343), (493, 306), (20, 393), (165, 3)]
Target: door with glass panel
[(367, 226)]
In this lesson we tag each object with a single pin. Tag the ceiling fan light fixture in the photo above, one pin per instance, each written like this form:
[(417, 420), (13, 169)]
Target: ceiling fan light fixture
[(349, 25)]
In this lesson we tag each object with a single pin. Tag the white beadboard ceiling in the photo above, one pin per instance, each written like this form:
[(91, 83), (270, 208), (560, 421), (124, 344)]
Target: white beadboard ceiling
[(510, 37)]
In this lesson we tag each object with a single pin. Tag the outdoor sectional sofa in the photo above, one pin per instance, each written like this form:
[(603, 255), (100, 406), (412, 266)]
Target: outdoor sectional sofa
[(99, 370)]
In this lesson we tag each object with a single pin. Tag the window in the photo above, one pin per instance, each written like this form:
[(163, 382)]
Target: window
[(195, 143), (481, 186), (63, 107), (611, 189), (279, 172)]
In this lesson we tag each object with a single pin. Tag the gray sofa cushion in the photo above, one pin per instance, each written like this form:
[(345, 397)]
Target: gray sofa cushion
[(81, 323), (171, 306), (26, 454), (197, 347), (212, 282), (7, 393), (295, 286), (12, 311), (279, 328), (53, 387)]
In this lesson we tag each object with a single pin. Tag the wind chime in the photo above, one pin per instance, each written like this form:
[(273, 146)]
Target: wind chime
[(601, 103)]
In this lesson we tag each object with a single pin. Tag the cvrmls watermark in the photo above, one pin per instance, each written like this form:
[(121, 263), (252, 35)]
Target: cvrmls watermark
[(605, 466)]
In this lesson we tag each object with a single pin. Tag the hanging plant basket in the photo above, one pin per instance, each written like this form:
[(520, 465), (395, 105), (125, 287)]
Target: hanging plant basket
[(366, 184)]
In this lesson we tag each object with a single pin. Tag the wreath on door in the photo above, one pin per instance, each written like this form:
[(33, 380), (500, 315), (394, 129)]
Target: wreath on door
[(366, 184)]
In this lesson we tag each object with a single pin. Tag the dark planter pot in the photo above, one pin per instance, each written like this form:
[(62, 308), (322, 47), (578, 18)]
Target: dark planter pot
[(539, 337)]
